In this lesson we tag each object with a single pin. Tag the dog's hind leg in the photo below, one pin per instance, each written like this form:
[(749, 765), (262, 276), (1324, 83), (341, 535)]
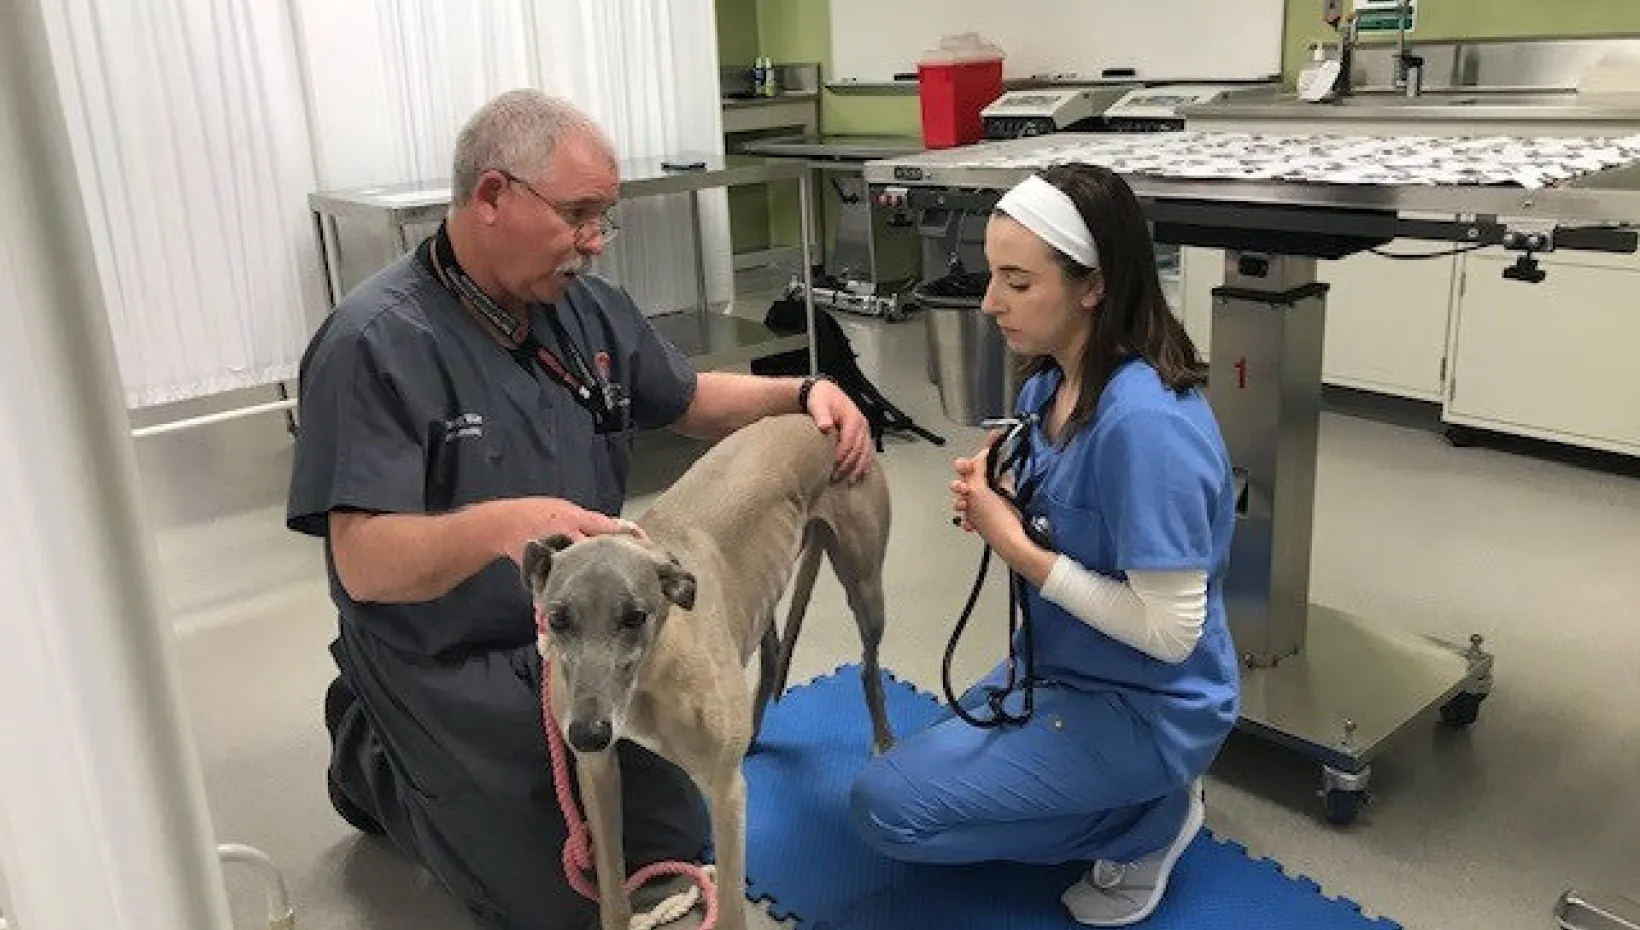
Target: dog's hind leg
[(808, 569), (768, 654), (866, 600), (857, 557)]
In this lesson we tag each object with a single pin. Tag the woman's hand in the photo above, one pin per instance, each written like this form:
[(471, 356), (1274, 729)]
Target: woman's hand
[(980, 509), (984, 511)]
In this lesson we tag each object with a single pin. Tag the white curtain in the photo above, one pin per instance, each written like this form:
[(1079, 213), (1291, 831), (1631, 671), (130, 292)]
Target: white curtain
[(201, 126), (193, 152), (391, 81)]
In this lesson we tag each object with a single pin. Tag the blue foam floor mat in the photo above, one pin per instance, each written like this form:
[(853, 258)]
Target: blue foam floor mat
[(806, 864)]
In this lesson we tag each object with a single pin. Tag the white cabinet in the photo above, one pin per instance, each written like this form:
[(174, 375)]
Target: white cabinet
[(1387, 319), (1200, 270), (1548, 361), (1552, 360)]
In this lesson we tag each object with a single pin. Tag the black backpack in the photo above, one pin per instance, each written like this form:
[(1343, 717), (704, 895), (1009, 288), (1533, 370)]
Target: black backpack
[(836, 360)]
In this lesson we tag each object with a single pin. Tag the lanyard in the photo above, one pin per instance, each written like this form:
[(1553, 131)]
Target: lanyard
[(591, 392), (579, 382)]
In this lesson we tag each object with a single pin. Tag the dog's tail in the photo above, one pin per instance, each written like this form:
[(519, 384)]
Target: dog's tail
[(808, 569)]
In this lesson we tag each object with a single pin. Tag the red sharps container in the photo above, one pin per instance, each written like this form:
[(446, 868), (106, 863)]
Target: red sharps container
[(954, 83)]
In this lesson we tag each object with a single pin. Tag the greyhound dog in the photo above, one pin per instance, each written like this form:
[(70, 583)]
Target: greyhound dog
[(647, 636)]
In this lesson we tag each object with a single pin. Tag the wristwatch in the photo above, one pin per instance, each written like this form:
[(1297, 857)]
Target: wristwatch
[(803, 392)]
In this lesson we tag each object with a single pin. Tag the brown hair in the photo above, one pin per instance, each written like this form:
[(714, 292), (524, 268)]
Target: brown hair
[(1133, 319)]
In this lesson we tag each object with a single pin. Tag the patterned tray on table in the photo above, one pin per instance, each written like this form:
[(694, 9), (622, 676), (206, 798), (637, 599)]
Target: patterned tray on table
[(1334, 159)]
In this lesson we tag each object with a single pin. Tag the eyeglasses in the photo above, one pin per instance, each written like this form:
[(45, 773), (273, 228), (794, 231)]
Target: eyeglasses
[(581, 218)]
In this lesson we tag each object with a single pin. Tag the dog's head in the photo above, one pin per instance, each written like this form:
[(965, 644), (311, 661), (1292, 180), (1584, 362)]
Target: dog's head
[(600, 602)]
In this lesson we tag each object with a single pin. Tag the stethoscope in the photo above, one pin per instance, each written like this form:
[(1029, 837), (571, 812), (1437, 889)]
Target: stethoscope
[(1013, 449)]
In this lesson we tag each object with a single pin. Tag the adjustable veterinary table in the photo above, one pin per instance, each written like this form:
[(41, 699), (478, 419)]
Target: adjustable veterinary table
[(1316, 679)]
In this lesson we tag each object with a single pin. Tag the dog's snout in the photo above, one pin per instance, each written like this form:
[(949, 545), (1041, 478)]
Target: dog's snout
[(591, 736)]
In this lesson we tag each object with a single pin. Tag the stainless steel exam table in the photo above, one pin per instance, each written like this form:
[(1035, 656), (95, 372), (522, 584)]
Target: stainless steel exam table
[(1326, 683)]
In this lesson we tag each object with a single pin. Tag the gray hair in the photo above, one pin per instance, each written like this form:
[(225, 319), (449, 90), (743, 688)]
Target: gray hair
[(517, 131)]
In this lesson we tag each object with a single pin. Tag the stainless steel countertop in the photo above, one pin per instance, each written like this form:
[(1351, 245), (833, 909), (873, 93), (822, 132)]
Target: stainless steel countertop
[(1477, 106), (841, 147), (734, 103), (1604, 197), (426, 201)]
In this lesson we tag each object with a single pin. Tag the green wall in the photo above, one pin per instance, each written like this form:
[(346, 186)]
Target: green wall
[(738, 46), (737, 31), (800, 30)]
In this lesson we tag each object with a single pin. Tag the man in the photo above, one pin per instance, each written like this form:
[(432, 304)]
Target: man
[(469, 397)]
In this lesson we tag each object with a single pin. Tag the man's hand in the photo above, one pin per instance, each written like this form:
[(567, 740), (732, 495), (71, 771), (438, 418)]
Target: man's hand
[(404, 557), (528, 518), (836, 414)]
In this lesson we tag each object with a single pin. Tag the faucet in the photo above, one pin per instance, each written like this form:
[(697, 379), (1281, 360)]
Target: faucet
[(1409, 67), (1349, 33)]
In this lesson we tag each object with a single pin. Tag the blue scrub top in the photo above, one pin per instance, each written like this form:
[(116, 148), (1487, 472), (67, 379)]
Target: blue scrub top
[(1145, 485)]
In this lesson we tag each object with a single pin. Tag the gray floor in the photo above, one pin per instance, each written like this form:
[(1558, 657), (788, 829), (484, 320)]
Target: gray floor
[(1477, 829)]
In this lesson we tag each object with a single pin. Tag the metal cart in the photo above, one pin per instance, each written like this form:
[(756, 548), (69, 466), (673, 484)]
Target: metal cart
[(862, 276)]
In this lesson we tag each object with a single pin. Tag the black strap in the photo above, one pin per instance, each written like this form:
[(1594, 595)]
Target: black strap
[(583, 385)]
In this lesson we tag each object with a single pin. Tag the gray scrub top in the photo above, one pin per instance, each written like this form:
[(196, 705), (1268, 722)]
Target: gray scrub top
[(408, 405)]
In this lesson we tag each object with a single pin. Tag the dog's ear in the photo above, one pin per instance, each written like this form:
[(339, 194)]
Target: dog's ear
[(538, 559), (677, 582)]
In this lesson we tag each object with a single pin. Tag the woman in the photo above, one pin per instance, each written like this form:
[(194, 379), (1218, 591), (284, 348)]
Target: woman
[(1136, 684)]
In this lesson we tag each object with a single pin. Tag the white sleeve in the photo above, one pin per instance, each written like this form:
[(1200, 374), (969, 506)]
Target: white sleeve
[(1158, 613)]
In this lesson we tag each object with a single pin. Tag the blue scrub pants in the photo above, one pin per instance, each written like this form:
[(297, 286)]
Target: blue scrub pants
[(1083, 779)]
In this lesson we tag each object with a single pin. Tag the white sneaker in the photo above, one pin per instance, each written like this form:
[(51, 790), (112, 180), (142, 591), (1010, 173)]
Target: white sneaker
[(1116, 894)]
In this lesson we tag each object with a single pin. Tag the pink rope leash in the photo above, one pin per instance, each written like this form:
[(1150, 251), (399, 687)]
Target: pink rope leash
[(577, 857)]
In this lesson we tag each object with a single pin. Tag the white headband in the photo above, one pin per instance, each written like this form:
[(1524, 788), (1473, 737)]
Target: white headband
[(1050, 213)]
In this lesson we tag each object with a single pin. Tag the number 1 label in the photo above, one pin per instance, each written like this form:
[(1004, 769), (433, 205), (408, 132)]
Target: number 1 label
[(1241, 374)]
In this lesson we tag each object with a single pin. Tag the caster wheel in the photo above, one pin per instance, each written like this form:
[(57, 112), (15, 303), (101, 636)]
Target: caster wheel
[(1462, 710), (1342, 806)]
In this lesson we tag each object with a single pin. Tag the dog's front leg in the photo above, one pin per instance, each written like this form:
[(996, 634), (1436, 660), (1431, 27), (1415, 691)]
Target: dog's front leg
[(729, 841), (600, 777)]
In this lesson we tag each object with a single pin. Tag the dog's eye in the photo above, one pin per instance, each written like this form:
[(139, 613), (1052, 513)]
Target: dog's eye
[(634, 618), (558, 620)]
